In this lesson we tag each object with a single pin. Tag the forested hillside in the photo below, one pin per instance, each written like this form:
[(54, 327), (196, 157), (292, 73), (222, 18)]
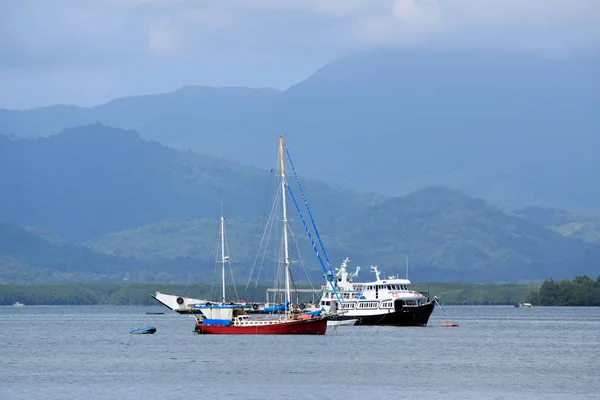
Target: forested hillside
[(93, 180), (574, 225), (99, 204)]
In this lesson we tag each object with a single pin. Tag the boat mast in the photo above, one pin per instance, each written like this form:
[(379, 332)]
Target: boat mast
[(285, 227), (223, 259)]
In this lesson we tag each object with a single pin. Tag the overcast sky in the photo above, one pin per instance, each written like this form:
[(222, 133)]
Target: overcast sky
[(87, 52)]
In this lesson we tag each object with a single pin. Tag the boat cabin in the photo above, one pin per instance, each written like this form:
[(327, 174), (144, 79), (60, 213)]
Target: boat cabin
[(391, 294)]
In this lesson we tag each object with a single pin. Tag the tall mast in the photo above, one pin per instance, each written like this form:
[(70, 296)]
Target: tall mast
[(223, 259), (288, 296)]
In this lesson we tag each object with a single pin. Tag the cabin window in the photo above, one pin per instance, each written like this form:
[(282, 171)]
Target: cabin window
[(368, 305)]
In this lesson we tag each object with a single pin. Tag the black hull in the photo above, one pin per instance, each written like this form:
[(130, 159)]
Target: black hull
[(407, 316)]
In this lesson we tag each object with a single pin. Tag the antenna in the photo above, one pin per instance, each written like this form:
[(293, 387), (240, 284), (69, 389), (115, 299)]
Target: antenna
[(376, 270), (407, 268)]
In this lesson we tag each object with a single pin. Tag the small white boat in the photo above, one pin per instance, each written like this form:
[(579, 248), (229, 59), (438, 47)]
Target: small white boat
[(524, 305), (346, 322), (180, 304), (18, 304)]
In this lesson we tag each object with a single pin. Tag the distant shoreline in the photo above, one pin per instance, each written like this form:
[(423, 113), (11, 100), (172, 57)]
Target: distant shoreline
[(581, 291), (139, 294)]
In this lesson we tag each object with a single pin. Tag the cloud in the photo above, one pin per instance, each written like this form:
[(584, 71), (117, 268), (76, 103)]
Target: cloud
[(162, 39), (35, 29), (258, 42), (532, 25), (417, 13)]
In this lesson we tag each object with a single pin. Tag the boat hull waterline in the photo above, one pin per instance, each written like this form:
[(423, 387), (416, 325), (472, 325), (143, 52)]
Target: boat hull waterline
[(316, 326), (413, 316)]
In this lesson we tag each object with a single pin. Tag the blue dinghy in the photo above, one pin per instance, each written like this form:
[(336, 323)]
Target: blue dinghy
[(146, 330)]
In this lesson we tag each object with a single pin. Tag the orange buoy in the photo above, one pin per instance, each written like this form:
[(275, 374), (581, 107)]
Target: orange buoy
[(449, 324)]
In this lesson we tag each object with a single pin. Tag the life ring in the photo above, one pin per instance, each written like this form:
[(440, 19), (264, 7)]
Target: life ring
[(179, 300), (255, 306), (394, 294), (208, 304)]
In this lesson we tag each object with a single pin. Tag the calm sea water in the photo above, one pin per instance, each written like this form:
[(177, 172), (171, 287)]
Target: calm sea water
[(495, 353)]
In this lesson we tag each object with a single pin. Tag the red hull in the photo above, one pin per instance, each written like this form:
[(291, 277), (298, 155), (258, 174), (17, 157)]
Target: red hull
[(298, 327)]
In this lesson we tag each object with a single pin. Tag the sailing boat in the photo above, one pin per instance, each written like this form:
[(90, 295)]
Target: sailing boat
[(231, 319), (186, 305)]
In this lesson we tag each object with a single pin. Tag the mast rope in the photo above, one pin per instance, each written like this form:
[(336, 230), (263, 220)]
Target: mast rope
[(312, 220), (329, 273), (314, 246), (262, 247), (438, 303)]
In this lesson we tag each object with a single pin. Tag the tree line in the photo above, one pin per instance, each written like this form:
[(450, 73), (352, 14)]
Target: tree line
[(111, 294), (139, 294), (581, 291)]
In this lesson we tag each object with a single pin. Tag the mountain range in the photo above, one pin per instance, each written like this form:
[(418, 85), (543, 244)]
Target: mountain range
[(102, 204), (510, 128), (464, 163)]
